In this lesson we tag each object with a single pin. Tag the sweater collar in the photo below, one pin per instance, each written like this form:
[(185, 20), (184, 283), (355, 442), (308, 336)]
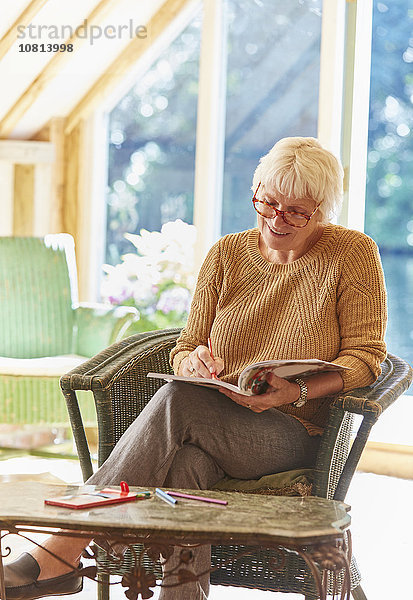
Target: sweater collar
[(269, 267)]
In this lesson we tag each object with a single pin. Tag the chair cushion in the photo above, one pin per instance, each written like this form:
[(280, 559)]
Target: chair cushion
[(47, 366), (297, 482)]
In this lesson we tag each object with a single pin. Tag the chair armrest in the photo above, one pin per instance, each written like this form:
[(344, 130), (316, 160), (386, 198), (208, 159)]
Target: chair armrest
[(335, 468), (371, 401), (100, 325), (101, 371), (115, 370)]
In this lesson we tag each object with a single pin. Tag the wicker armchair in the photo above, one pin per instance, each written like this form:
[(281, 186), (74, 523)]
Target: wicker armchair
[(44, 332), (117, 378)]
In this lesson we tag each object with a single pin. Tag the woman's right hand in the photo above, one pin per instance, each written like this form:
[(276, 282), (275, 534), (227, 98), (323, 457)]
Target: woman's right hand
[(199, 363)]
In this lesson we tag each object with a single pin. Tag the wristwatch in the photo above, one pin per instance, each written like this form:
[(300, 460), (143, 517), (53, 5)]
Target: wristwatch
[(302, 398)]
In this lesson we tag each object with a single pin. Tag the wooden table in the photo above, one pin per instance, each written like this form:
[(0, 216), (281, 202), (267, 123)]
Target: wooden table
[(312, 527)]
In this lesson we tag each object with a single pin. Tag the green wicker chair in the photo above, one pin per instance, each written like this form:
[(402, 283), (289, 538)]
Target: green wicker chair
[(117, 378), (44, 332)]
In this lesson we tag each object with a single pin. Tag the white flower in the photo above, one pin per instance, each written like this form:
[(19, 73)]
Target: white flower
[(162, 258)]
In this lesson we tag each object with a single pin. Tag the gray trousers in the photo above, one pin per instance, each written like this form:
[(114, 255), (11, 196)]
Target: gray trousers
[(191, 437)]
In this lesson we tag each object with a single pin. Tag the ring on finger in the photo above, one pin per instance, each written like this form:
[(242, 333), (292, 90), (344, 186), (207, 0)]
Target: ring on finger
[(191, 369), (248, 405)]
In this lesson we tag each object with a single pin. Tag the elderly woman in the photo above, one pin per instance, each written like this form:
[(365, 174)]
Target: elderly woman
[(294, 287)]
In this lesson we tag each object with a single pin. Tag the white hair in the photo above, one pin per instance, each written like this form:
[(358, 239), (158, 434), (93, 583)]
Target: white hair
[(299, 167)]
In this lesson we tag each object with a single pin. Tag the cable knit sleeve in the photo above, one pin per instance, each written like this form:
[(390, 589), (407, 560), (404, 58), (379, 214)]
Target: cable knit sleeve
[(203, 308), (362, 313)]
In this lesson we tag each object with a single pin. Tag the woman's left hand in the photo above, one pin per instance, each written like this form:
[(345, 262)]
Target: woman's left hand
[(280, 392)]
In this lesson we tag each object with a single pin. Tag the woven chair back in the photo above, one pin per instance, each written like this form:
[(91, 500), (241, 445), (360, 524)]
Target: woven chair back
[(132, 392)]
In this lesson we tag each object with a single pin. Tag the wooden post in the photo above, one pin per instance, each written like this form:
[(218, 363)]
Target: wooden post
[(71, 190), (42, 199), (23, 199)]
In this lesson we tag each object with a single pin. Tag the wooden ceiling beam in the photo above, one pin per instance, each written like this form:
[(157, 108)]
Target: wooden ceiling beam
[(24, 19), (26, 152), (55, 64), (114, 74)]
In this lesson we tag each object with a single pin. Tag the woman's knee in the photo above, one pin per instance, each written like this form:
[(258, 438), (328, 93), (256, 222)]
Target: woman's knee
[(193, 468)]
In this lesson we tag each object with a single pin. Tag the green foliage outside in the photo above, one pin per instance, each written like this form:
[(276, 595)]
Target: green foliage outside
[(389, 204)]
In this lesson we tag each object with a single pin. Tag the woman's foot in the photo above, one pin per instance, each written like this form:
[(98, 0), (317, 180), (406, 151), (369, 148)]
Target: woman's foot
[(51, 566), (22, 580)]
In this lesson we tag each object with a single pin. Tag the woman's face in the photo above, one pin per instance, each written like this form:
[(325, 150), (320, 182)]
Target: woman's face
[(281, 237)]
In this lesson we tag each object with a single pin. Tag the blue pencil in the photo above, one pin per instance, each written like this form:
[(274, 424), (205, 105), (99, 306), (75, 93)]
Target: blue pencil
[(165, 497)]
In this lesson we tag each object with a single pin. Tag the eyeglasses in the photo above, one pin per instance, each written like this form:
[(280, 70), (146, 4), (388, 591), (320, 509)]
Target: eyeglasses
[(267, 210)]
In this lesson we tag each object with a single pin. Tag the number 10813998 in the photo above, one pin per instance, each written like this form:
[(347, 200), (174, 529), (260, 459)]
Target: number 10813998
[(45, 47)]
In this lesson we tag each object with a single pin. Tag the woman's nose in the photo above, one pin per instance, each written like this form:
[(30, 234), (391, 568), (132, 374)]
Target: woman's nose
[(277, 219)]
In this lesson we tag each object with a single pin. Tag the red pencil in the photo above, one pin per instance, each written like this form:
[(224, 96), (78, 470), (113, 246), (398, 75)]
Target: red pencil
[(212, 356)]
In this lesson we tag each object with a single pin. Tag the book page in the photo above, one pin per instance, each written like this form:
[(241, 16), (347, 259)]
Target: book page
[(214, 383)]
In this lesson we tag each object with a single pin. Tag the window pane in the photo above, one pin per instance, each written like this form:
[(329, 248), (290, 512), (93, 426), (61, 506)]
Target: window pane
[(273, 69), (389, 204), (152, 146)]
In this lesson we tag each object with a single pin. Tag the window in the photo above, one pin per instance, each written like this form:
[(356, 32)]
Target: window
[(389, 207), (273, 66), (152, 146)]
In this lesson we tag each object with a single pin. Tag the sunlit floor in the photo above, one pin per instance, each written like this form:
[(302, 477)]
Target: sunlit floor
[(382, 530)]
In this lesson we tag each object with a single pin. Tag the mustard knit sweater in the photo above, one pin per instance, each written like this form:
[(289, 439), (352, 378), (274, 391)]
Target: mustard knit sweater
[(329, 304)]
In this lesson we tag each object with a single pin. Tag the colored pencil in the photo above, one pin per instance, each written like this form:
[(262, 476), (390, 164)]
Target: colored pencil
[(165, 497), (201, 498), (214, 376)]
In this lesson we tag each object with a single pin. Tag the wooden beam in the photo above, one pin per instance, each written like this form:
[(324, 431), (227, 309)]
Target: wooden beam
[(24, 19), (128, 57), (26, 152), (53, 132), (32, 199), (42, 199), (54, 65), (73, 143), (43, 134), (57, 137)]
